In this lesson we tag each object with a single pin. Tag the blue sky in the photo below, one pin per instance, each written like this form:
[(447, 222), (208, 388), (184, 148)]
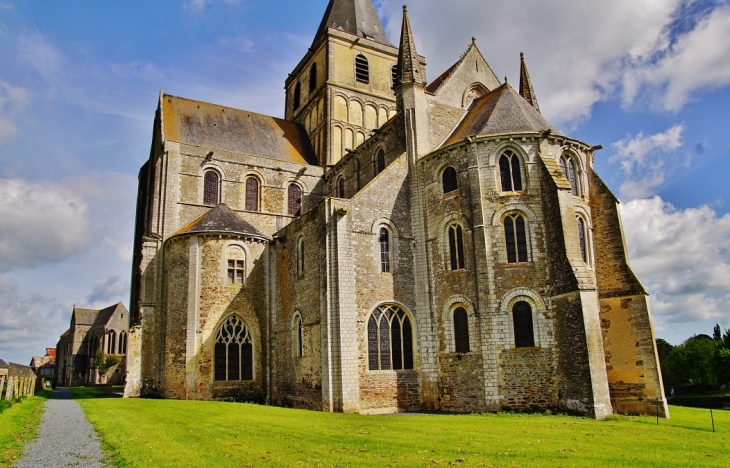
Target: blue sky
[(79, 80)]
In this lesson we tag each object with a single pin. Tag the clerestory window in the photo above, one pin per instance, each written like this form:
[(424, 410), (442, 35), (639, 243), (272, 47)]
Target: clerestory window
[(384, 241), (252, 194), (294, 204), (515, 238), (211, 183), (509, 172), (568, 167), (456, 247)]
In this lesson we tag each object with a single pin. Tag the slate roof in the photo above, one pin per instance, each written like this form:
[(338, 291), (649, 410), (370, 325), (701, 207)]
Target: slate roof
[(104, 315), (502, 111), (84, 316), (356, 17), (221, 219), (210, 125)]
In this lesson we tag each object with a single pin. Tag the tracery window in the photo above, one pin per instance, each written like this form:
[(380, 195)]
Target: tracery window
[(294, 200), (379, 162), (313, 77), (509, 172), (252, 194), (515, 238), (297, 95), (362, 69), (233, 351), (390, 339), (384, 241), (456, 247), (582, 238), (522, 321), (211, 183), (448, 179), (461, 330), (568, 167)]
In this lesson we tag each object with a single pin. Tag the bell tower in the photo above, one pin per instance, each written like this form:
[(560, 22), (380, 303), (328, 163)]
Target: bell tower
[(342, 89)]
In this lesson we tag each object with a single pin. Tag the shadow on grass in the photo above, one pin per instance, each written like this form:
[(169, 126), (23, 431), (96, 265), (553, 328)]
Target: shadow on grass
[(84, 393)]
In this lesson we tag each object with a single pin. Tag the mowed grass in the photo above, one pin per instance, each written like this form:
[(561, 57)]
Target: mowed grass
[(18, 426), (162, 433)]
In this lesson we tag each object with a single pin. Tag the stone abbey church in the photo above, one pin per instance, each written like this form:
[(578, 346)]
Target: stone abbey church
[(392, 244)]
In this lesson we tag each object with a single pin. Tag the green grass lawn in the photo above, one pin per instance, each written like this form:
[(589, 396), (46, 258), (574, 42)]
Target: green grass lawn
[(161, 433), (18, 425)]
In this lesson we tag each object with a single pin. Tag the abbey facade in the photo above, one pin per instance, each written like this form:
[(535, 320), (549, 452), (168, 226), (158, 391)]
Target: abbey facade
[(393, 244)]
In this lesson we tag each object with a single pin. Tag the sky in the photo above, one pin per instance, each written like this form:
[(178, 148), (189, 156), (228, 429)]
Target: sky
[(649, 80)]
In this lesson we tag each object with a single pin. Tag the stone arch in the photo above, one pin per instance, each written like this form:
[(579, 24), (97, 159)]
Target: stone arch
[(447, 319), (472, 92), (542, 326), (414, 327), (355, 112), (339, 104), (522, 156)]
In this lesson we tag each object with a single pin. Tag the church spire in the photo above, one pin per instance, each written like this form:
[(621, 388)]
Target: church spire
[(356, 17), (526, 90), (409, 68)]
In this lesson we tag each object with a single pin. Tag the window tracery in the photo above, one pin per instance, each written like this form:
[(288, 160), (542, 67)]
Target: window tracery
[(390, 339), (233, 353)]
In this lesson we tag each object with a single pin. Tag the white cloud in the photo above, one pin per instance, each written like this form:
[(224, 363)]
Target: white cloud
[(38, 52), (195, 6), (41, 223), (106, 292), (644, 160), (683, 258), (13, 101)]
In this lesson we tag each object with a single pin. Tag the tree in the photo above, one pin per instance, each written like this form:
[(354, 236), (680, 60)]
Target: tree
[(693, 362), (663, 350), (104, 362), (717, 332)]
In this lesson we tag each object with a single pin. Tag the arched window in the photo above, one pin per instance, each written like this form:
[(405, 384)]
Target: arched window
[(123, 343), (568, 167), (379, 162), (341, 187), (515, 238), (582, 239), (236, 262), (297, 95), (509, 172), (313, 77), (111, 343), (211, 182), (456, 247), (461, 330), (300, 256), (252, 194), (390, 339), (294, 200), (233, 351), (362, 69), (384, 240), (449, 180), (522, 321), (299, 345)]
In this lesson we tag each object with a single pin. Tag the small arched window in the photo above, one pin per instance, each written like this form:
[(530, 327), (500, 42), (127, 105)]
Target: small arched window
[(509, 172), (390, 339), (341, 187), (515, 238), (299, 345), (362, 69), (379, 162), (384, 241), (123, 343), (313, 77), (456, 247), (300, 256), (569, 171), (461, 330), (582, 239), (449, 180), (297, 96), (522, 321), (111, 343), (233, 351), (211, 182), (236, 263), (294, 204), (252, 194)]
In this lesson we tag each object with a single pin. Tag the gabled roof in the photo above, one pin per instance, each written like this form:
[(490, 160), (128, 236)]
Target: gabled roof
[(356, 17), (3, 364), (104, 315), (472, 50), (221, 219), (84, 316), (204, 124), (502, 111)]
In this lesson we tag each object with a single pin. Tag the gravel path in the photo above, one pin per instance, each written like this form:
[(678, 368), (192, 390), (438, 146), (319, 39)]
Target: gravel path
[(65, 437)]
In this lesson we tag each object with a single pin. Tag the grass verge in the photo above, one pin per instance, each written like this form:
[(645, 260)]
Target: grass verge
[(18, 426), (164, 433)]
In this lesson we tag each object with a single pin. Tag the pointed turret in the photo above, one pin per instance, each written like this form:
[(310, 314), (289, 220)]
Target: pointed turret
[(409, 68), (526, 90), (356, 17)]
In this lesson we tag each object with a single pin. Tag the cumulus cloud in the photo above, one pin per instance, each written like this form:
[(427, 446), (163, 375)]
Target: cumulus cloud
[(644, 158), (13, 101), (196, 6), (41, 223), (683, 257), (580, 53), (28, 322), (106, 292)]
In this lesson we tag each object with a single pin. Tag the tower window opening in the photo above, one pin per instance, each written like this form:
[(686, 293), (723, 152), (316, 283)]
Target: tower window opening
[(313, 77), (362, 69)]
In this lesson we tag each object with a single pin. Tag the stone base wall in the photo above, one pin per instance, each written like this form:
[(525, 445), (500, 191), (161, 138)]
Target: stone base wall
[(528, 379), (460, 383), (389, 392)]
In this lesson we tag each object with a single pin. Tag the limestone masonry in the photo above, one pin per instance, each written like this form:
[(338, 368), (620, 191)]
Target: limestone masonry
[(392, 245)]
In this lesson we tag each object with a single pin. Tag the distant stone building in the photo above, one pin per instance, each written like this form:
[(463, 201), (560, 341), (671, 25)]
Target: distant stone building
[(91, 331), (391, 245)]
